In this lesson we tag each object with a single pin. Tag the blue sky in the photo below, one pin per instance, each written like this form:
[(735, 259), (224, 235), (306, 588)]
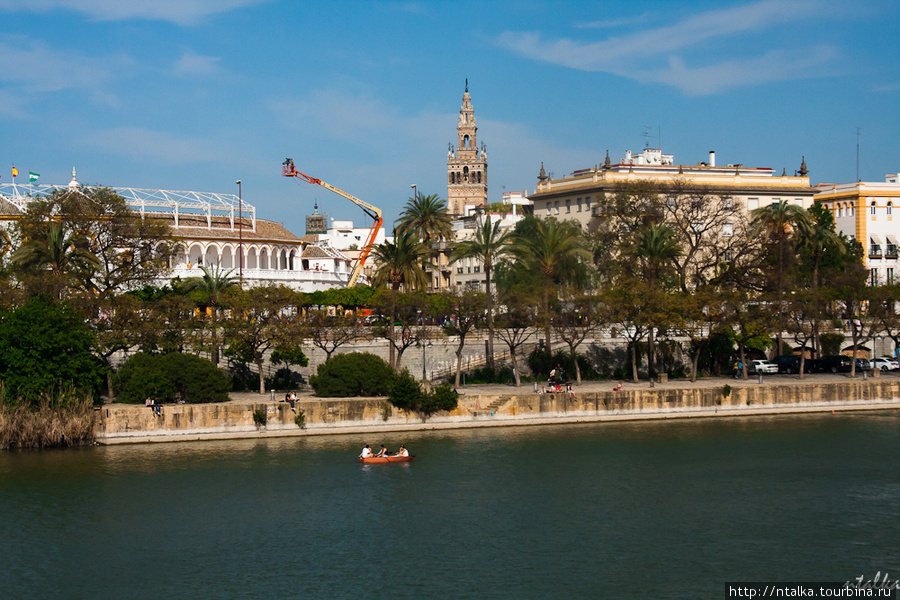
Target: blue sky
[(195, 94)]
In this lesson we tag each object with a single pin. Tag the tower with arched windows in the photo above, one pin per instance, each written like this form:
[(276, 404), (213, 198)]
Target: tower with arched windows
[(466, 164)]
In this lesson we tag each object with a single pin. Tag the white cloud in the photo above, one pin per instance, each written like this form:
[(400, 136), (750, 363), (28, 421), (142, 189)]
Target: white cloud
[(38, 68), (156, 146), (196, 65), (182, 12), (651, 55)]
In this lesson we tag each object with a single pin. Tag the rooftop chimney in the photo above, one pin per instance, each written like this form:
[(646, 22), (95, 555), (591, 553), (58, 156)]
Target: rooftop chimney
[(712, 158)]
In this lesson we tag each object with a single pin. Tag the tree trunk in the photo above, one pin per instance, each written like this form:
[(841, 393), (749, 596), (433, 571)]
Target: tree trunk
[(634, 365), (392, 350), (651, 366), (459, 351), (262, 377), (547, 283), (490, 313), (575, 360), (515, 366)]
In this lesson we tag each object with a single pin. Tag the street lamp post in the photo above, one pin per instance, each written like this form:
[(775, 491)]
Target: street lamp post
[(240, 234), (415, 191)]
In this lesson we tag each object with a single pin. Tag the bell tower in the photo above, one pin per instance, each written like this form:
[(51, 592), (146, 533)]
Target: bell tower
[(466, 164)]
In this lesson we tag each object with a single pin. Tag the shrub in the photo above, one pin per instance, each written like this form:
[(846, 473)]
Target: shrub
[(260, 417), (406, 394), (352, 374), (170, 378), (486, 374), (300, 419), (46, 348), (541, 363)]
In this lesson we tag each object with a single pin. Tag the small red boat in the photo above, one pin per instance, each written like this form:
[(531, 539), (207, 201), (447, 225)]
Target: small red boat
[(386, 459)]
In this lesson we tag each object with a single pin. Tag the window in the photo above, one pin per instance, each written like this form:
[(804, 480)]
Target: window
[(727, 229), (459, 269), (568, 206), (728, 202), (549, 209), (874, 207), (752, 203), (587, 203), (478, 268), (579, 204), (697, 228), (670, 202), (873, 276), (889, 207), (556, 206), (890, 276), (840, 211)]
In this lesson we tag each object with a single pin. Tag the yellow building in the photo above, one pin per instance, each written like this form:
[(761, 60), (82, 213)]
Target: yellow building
[(865, 211), (575, 196)]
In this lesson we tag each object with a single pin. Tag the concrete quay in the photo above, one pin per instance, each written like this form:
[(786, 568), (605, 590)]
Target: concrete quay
[(501, 406)]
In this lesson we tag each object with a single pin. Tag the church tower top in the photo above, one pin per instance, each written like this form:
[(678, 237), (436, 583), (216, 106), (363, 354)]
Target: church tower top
[(467, 165)]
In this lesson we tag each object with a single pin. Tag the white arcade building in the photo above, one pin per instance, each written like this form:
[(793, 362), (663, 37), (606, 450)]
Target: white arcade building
[(217, 229)]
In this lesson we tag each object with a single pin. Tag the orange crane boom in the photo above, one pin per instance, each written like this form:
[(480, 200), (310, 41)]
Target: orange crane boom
[(289, 170)]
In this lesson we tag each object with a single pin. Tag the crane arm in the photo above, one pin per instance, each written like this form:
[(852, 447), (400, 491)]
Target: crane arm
[(289, 170)]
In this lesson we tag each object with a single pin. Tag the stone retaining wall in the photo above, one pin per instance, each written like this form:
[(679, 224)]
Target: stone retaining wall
[(119, 423)]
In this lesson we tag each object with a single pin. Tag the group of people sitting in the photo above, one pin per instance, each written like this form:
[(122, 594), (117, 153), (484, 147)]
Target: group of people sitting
[(367, 452)]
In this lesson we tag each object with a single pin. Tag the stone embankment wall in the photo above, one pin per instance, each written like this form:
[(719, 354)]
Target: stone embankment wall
[(119, 423)]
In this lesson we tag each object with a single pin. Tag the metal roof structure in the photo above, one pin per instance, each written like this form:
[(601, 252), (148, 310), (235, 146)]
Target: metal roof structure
[(168, 202)]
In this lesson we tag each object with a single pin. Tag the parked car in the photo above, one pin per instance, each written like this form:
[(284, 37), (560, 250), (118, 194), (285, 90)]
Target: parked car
[(789, 363), (834, 363), (762, 366), (863, 364), (886, 363)]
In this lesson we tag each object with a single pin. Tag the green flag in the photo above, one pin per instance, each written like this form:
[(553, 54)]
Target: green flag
[(32, 176)]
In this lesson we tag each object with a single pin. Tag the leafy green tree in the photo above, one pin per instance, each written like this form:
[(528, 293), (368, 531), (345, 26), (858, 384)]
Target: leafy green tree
[(399, 263), (51, 258), (256, 323), (515, 325), (352, 374), (330, 333), (489, 245), (578, 318), (777, 223), (45, 348), (655, 252), (209, 291), (554, 249), (113, 248), (463, 311)]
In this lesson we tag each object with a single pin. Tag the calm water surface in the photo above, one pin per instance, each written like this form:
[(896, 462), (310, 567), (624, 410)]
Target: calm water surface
[(646, 510)]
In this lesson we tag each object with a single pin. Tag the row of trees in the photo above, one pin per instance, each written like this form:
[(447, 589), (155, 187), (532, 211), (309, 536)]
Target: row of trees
[(662, 261)]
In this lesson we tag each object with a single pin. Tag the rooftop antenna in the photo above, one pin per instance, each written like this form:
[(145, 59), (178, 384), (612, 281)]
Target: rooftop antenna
[(857, 154), (647, 130)]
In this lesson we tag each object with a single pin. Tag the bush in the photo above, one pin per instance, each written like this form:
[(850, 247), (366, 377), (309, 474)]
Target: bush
[(541, 363), (352, 374), (502, 374), (170, 378), (406, 394), (46, 348)]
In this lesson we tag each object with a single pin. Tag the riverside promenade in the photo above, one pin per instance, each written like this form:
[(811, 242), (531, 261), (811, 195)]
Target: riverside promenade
[(502, 405)]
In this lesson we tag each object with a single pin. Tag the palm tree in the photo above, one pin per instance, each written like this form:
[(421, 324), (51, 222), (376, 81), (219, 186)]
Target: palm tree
[(777, 222), (60, 251), (427, 217), (400, 263), (211, 287), (816, 239), (552, 248), (656, 250), (489, 244)]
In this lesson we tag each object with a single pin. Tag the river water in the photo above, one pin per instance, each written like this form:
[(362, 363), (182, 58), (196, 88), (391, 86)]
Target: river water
[(616, 510)]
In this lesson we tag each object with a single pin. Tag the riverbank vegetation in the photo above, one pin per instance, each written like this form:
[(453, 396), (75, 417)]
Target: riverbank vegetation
[(676, 281)]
